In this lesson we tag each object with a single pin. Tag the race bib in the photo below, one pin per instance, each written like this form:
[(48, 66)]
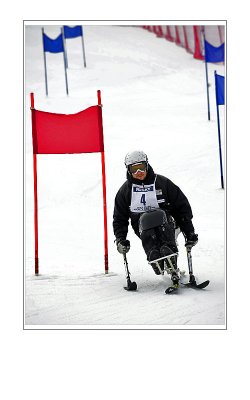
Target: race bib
[(143, 198)]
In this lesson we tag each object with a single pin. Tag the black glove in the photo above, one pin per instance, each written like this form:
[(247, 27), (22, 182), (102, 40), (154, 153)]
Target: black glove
[(191, 239), (123, 246)]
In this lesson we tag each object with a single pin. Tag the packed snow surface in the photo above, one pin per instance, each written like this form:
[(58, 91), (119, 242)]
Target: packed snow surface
[(154, 99)]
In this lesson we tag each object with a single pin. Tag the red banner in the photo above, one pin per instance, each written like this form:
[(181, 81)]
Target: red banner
[(67, 133)]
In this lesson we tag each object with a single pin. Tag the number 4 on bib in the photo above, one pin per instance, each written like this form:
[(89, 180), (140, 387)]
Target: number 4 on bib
[(143, 199)]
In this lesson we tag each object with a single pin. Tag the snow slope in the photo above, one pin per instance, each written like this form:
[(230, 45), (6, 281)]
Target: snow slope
[(154, 99)]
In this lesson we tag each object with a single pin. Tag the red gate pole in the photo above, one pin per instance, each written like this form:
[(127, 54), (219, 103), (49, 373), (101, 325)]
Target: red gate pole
[(197, 46), (186, 40), (35, 185), (104, 191), (177, 36), (168, 35)]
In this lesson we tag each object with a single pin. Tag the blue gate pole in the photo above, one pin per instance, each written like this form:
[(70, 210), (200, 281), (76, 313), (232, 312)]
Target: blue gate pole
[(65, 66), (83, 50), (65, 48), (45, 66)]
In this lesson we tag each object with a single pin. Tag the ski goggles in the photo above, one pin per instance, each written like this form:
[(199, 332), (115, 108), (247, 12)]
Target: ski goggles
[(133, 168)]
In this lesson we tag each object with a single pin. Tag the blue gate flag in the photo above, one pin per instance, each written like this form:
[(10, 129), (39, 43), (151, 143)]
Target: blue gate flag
[(72, 32), (214, 54), (219, 87), (53, 45)]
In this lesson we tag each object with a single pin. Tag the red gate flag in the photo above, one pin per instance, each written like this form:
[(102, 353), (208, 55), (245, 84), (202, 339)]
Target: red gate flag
[(67, 133)]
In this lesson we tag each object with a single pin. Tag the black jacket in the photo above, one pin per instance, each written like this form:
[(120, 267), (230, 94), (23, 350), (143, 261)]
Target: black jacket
[(176, 204)]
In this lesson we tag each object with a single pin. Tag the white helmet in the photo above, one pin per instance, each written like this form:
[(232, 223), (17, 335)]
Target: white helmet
[(135, 157)]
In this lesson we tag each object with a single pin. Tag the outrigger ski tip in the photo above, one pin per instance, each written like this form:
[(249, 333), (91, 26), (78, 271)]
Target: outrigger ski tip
[(132, 286), (194, 285)]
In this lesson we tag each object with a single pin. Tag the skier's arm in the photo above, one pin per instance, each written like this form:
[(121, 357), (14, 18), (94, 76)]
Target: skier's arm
[(180, 208), (120, 217)]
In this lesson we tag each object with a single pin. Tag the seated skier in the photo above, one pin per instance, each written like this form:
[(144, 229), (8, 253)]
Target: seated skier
[(156, 208)]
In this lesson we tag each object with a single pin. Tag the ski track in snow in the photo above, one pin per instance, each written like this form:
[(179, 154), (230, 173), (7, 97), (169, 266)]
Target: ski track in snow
[(153, 96)]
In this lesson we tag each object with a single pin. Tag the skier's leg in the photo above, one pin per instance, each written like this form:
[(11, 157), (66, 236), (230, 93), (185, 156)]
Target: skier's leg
[(148, 223), (166, 235), (149, 243)]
